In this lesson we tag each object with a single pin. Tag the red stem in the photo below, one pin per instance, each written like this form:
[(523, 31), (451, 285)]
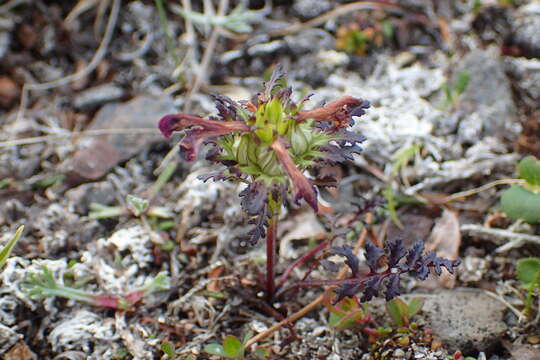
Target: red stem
[(271, 247), (300, 261)]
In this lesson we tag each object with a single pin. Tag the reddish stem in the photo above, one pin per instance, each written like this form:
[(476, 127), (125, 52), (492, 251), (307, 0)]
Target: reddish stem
[(300, 261), (271, 247)]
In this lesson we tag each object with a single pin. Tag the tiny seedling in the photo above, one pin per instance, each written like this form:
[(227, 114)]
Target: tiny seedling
[(44, 284), (348, 313), (6, 250), (523, 201), (453, 91), (528, 272), (231, 348), (401, 312)]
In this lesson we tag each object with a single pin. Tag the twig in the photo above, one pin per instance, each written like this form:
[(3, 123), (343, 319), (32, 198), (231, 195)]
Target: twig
[(497, 297), (517, 239), (97, 132), (96, 59), (341, 10), (315, 303), (466, 193), (208, 52)]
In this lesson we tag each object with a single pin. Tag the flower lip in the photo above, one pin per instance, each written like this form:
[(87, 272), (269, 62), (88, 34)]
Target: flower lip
[(338, 112), (204, 130), (302, 188)]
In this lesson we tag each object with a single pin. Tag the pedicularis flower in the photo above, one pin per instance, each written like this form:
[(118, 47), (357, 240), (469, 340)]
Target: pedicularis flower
[(269, 142)]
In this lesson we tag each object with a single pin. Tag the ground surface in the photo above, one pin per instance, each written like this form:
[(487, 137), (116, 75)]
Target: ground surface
[(106, 68)]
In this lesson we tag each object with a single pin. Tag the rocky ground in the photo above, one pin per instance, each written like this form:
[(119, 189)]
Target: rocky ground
[(456, 84)]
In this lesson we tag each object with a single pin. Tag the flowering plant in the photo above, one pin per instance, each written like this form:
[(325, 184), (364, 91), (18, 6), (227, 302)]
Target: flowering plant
[(269, 143)]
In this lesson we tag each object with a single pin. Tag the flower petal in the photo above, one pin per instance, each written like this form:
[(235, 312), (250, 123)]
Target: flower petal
[(302, 188), (205, 129), (337, 112)]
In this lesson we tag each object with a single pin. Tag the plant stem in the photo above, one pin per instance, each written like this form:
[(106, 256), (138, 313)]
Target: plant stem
[(271, 248)]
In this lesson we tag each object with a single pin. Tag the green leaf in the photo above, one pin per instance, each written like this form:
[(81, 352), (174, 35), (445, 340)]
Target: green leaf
[(168, 349), (462, 81), (529, 169), (391, 204), (527, 271), (398, 311), (136, 204), (233, 347), (6, 251), (415, 305), (520, 203), (215, 349)]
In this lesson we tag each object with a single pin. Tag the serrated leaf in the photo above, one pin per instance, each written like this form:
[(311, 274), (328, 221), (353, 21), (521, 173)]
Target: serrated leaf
[(215, 349), (398, 311), (233, 347), (136, 204), (527, 271), (529, 169), (520, 203)]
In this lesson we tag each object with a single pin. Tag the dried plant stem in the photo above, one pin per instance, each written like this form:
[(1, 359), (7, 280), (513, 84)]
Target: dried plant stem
[(300, 261), (315, 303), (466, 193), (97, 132), (340, 10), (96, 59), (516, 239), (271, 249)]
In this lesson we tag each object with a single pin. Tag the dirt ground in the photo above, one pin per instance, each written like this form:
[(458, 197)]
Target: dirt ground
[(161, 260)]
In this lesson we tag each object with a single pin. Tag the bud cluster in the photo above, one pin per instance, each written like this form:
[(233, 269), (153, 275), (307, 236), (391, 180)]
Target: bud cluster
[(269, 142)]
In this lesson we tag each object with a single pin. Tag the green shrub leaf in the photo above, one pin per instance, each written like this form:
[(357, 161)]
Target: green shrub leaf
[(6, 251), (398, 311), (215, 349), (415, 305), (233, 347), (520, 203), (527, 271), (529, 169)]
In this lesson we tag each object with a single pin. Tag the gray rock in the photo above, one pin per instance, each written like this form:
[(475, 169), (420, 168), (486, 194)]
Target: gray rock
[(526, 34), (527, 74), (83, 195), (486, 104), (97, 155), (307, 9), (465, 319), (309, 41), (96, 96)]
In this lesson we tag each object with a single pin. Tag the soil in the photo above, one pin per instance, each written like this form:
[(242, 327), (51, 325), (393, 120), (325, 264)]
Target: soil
[(82, 88)]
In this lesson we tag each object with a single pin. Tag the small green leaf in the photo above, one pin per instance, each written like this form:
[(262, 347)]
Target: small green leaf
[(6, 251), (391, 204), (136, 205), (215, 349), (527, 271), (262, 352), (398, 311), (233, 347), (529, 169), (168, 349), (520, 203), (415, 305), (462, 81)]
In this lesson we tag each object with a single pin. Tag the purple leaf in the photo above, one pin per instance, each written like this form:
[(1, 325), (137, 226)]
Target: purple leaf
[(371, 288), (351, 260), (396, 251), (373, 254), (254, 198), (415, 253), (392, 287)]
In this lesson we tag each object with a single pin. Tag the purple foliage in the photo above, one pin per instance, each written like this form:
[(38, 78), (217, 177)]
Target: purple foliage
[(416, 264)]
